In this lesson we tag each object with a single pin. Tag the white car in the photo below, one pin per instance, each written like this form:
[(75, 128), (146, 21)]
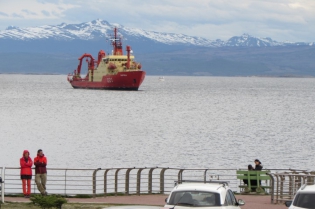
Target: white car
[(212, 195), (304, 198)]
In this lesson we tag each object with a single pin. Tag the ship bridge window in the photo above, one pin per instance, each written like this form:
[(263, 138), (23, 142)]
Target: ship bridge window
[(105, 60)]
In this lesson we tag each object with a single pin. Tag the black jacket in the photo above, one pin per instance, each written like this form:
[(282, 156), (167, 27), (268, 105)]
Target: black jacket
[(258, 167)]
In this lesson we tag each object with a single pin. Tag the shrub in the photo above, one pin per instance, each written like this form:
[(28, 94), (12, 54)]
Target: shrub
[(50, 201)]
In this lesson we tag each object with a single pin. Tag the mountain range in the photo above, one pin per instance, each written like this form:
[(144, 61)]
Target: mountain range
[(55, 48), (101, 30)]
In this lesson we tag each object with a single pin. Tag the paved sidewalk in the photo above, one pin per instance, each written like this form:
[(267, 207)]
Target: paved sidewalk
[(251, 201)]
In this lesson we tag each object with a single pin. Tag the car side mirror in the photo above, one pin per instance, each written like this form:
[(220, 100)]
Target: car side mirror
[(165, 200), (288, 203), (240, 202)]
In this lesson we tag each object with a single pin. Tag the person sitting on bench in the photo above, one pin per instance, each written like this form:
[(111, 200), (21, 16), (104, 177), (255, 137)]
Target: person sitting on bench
[(258, 165), (252, 182)]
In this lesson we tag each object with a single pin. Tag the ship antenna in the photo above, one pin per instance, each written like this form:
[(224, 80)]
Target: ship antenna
[(117, 44)]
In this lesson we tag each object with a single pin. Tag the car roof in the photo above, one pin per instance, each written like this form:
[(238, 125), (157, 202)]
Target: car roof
[(211, 187), (307, 188), (204, 187)]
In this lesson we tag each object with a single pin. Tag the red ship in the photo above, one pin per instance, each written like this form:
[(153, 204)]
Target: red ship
[(116, 71)]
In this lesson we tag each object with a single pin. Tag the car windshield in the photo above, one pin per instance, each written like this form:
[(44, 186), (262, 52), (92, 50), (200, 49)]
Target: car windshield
[(195, 198), (305, 200)]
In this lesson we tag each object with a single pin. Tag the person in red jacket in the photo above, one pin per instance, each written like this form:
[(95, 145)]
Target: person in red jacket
[(40, 163), (26, 164)]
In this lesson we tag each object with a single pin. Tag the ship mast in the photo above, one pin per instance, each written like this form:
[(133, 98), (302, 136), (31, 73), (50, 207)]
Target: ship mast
[(117, 44), (118, 49)]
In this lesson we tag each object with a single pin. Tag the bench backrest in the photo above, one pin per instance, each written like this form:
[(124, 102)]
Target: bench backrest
[(253, 175)]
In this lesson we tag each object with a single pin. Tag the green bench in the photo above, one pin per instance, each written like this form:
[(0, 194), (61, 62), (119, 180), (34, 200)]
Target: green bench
[(255, 176)]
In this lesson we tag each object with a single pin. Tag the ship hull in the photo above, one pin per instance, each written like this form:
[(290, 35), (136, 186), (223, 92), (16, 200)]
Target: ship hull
[(121, 81)]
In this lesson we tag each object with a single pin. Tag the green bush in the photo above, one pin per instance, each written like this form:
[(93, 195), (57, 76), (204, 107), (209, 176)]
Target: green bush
[(83, 196), (50, 201)]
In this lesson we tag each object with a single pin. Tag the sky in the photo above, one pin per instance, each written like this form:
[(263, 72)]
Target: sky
[(281, 20)]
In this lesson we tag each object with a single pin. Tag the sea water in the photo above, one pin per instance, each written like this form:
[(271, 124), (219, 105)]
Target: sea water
[(184, 122)]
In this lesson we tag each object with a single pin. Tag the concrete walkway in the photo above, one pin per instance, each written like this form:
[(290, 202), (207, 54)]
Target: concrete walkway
[(251, 201)]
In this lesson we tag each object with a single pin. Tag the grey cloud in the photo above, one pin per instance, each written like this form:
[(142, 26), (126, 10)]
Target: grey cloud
[(59, 2), (54, 13), (28, 12), (17, 15), (44, 12), (49, 1), (41, 1), (3, 14)]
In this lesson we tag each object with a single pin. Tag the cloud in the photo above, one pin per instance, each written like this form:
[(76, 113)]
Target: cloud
[(207, 18), (17, 15), (44, 12), (34, 10), (28, 12), (3, 14)]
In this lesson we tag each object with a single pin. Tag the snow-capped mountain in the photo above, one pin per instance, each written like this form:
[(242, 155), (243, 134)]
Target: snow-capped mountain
[(97, 29), (251, 41), (101, 30), (248, 40)]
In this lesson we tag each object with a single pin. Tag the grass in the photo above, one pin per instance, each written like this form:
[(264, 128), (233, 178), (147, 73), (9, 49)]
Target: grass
[(14, 205)]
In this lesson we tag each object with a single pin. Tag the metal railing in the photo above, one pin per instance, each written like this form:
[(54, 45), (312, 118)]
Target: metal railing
[(148, 180), (1, 185), (107, 181), (286, 184)]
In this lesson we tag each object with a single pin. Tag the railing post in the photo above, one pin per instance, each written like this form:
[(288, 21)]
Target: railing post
[(291, 187), (116, 180), (162, 180), (105, 181), (139, 181), (277, 190), (205, 176), (313, 179), (282, 178), (2, 184), (94, 181), (66, 182), (34, 183), (150, 181), (180, 176), (127, 180), (272, 186)]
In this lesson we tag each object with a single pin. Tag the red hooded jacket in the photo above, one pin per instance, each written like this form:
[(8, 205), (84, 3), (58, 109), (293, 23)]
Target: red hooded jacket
[(40, 163), (26, 164)]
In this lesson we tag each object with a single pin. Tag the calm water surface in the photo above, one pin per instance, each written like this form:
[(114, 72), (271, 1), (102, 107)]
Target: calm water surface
[(213, 122)]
